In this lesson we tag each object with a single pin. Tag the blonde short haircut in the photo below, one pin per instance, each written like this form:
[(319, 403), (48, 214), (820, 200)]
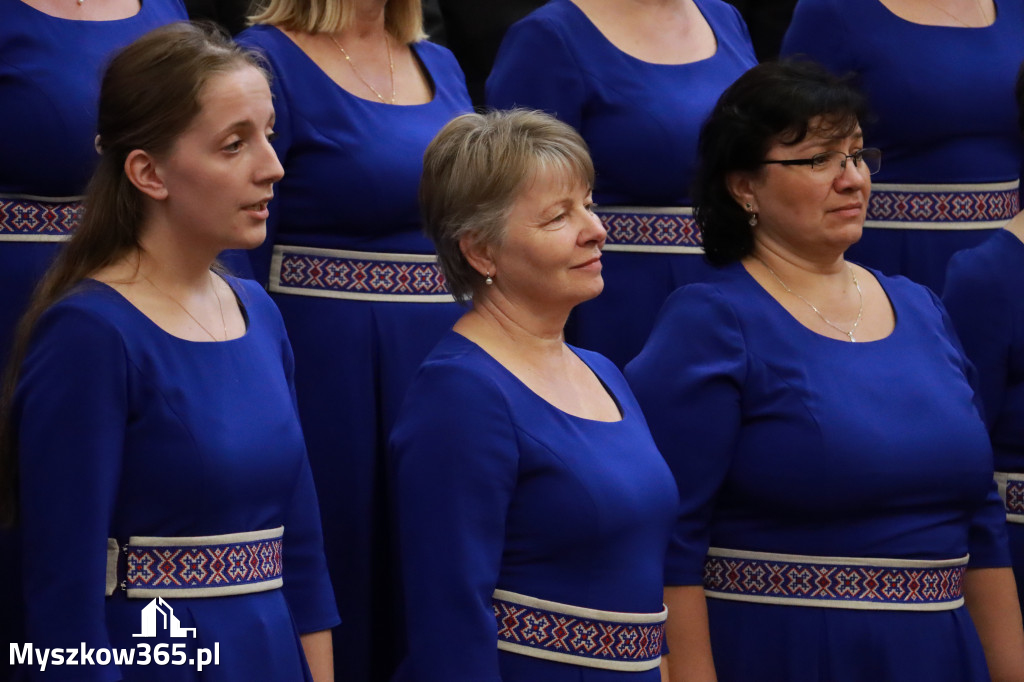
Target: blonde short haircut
[(402, 18), (476, 168)]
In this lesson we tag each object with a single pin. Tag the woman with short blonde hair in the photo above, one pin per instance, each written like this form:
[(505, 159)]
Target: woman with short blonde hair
[(528, 487), (359, 95)]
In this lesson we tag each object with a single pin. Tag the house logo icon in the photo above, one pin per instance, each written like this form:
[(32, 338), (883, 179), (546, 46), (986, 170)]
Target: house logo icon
[(159, 613)]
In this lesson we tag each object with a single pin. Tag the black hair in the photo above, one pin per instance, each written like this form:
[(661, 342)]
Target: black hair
[(774, 102)]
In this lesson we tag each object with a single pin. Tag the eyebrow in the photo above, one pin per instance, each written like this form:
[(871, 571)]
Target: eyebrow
[(246, 123)]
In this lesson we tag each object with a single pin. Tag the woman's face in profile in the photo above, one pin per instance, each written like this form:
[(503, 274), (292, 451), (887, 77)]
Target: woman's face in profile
[(550, 256), (813, 206), (219, 173)]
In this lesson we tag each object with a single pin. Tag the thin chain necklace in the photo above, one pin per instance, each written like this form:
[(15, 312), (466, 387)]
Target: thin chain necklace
[(981, 13), (860, 295), (220, 307), (391, 65)]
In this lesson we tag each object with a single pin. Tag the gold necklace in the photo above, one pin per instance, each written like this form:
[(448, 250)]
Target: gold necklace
[(860, 294), (391, 65), (220, 307), (977, 3)]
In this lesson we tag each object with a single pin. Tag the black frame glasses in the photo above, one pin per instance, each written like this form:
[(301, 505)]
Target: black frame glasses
[(871, 157)]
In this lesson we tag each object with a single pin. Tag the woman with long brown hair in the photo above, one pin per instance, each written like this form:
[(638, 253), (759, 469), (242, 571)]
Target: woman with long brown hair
[(153, 427)]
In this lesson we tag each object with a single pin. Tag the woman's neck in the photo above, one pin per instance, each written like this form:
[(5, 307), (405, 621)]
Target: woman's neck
[(497, 320), (368, 19)]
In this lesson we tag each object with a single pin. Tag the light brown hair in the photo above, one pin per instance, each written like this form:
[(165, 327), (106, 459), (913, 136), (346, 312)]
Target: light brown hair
[(474, 170)]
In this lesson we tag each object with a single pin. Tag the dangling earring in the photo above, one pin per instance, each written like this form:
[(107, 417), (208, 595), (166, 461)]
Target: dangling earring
[(753, 216), (489, 280)]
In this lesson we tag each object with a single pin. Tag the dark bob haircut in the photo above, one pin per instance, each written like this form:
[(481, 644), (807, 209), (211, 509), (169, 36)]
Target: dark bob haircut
[(774, 102)]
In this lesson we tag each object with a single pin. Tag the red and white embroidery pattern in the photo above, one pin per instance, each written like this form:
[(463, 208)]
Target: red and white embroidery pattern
[(1015, 496), (170, 568), (779, 579), (361, 275), (559, 633), (37, 218), (639, 229), (903, 206)]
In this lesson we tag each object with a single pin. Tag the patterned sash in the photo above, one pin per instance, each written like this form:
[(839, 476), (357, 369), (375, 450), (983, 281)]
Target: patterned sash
[(25, 218), (205, 566), (1011, 489), (834, 582), (357, 275), (650, 229), (943, 207), (576, 635)]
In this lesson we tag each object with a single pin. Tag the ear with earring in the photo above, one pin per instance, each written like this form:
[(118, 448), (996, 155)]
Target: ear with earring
[(753, 216)]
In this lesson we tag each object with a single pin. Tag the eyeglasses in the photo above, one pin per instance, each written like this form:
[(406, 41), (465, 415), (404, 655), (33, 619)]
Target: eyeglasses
[(834, 161)]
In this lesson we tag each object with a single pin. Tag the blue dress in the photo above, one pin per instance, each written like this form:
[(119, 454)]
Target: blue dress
[(641, 122), (50, 71), (943, 112), (784, 441), (497, 488), (352, 171), (125, 430), (982, 295)]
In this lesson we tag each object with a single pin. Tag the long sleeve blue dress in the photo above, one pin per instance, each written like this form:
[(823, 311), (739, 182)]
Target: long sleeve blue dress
[(945, 117), (789, 444), (498, 489), (50, 71), (363, 302), (124, 431), (641, 122), (983, 288)]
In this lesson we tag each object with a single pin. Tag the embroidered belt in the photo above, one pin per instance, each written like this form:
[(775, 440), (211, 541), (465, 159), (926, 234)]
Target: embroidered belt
[(650, 229), (358, 275), (1011, 489), (576, 635), (834, 582), (26, 218), (206, 566), (943, 207)]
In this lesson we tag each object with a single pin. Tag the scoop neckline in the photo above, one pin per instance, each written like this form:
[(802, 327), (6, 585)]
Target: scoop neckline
[(896, 328), (677, 65), (432, 82), (97, 22), (995, 6), (519, 382), (154, 325)]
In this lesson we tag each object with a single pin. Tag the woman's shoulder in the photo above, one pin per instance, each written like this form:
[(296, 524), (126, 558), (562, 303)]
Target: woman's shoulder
[(720, 14), (89, 310), (999, 257), (559, 17), (457, 360), (262, 36), (260, 310), (281, 53), (441, 63)]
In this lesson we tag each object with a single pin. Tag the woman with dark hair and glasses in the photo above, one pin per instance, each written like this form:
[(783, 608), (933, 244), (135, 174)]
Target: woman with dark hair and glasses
[(983, 295), (838, 508)]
